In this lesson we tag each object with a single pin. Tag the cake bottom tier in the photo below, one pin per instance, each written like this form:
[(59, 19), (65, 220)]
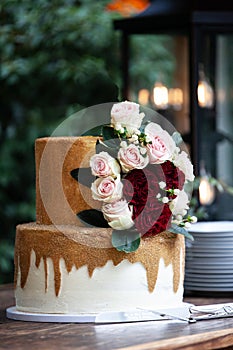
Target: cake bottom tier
[(70, 269)]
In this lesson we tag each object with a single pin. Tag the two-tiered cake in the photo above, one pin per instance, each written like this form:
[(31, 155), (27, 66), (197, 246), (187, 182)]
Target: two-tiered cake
[(65, 263)]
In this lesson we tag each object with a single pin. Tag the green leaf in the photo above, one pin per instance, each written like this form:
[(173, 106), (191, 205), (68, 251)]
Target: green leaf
[(177, 138), (110, 138), (93, 218), (103, 147), (83, 176), (96, 131), (126, 241), (180, 230), (108, 133)]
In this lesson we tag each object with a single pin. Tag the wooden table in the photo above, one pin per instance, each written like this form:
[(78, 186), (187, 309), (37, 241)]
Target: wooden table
[(162, 335)]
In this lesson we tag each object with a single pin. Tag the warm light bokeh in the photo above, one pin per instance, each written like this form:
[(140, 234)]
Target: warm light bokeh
[(128, 7)]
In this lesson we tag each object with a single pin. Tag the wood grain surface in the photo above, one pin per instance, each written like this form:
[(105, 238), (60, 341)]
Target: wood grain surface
[(169, 335)]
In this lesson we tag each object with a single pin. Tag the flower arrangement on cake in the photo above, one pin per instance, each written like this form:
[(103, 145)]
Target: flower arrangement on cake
[(139, 174)]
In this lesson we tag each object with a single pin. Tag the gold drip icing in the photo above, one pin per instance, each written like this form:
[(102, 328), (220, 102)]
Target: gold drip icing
[(48, 241)]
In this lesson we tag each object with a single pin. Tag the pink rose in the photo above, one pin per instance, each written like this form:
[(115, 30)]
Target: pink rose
[(118, 215), (103, 165), (107, 189), (132, 157), (162, 146), (127, 115)]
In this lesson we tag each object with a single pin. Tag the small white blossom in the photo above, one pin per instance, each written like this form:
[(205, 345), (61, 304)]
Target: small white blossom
[(179, 217), (162, 184), (133, 138), (176, 222), (193, 219), (148, 139), (118, 126), (187, 225), (165, 200), (158, 195), (143, 150), (123, 144)]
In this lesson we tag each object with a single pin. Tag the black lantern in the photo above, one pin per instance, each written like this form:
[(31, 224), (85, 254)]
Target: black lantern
[(208, 30)]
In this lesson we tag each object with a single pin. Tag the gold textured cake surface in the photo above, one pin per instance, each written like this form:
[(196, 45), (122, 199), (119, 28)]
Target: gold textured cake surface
[(80, 246), (59, 197)]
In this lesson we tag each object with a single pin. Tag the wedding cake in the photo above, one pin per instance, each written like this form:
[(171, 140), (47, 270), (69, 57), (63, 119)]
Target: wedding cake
[(111, 216)]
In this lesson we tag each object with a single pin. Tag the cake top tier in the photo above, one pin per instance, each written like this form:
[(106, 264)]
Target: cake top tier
[(59, 197)]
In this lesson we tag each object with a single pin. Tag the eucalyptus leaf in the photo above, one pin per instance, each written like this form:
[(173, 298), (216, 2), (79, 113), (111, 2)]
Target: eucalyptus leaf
[(126, 241), (181, 230), (83, 176), (93, 218), (177, 138)]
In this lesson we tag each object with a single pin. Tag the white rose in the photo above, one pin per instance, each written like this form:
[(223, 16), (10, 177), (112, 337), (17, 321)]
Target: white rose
[(118, 215), (128, 115), (182, 162), (179, 205), (130, 158), (162, 147), (102, 165), (107, 189)]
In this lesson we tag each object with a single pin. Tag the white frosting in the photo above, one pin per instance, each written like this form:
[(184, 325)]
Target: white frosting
[(121, 287)]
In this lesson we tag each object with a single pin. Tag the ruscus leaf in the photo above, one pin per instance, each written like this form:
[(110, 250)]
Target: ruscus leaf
[(83, 176), (93, 218)]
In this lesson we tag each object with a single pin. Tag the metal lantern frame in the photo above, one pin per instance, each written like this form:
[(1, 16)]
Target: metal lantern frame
[(177, 17)]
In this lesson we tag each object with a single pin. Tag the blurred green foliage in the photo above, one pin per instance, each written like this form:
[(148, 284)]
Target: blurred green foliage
[(56, 58)]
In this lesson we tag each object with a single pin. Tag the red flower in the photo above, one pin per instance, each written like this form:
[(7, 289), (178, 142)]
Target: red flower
[(141, 187), (155, 218), (174, 177)]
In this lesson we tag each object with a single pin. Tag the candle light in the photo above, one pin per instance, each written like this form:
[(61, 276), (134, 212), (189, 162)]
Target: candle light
[(160, 95), (143, 96), (206, 189), (206, 192), (205, 93), (175, 98)]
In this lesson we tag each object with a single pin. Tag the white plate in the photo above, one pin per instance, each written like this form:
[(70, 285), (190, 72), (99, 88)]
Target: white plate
[(210, 285), (219, 255), (222, 260), (210, 247), (207, 289), (212, 226), (200, 266), (208, 276), (210, 270), (206, 280)]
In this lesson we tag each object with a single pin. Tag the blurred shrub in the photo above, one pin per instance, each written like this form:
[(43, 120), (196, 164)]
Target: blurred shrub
[(56, 58)]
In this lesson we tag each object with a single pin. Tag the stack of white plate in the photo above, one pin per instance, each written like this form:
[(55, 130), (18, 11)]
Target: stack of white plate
[(209, 258)]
